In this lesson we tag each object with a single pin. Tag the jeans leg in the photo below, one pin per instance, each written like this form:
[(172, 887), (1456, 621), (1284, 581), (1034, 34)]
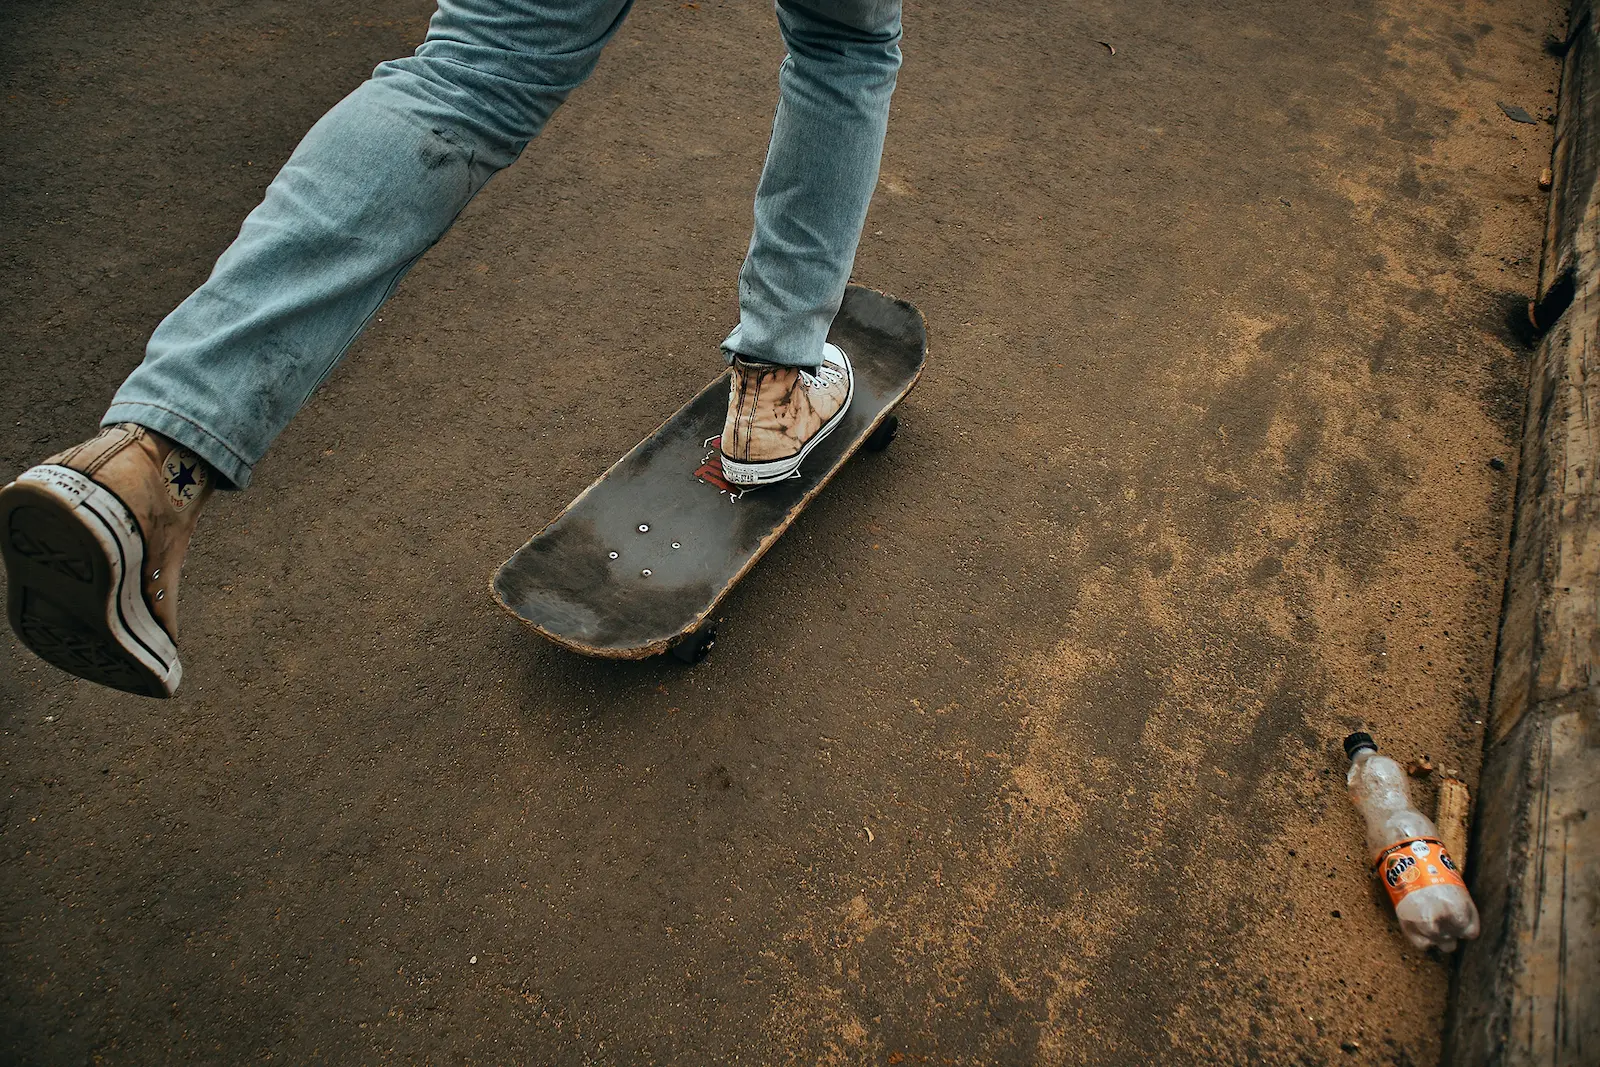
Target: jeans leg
[(821, 169), (375, 183)]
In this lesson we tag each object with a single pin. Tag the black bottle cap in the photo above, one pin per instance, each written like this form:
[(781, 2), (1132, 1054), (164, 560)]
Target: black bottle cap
[(1357, 741)]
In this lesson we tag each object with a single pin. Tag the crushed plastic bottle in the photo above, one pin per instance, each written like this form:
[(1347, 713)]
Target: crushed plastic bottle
[(1429, 896)]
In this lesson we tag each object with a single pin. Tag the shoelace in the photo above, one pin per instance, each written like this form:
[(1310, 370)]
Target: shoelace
[(826, 373)]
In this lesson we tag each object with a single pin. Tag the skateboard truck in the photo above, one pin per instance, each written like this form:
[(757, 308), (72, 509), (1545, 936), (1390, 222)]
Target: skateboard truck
[(879, 439), (697, 645)]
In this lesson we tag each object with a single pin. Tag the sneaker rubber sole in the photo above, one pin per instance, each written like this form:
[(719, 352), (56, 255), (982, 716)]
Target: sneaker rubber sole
[(749, 475), (74, 560)]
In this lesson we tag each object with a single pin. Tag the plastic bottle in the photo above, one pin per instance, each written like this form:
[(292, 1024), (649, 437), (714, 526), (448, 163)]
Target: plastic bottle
[(1430, 899)]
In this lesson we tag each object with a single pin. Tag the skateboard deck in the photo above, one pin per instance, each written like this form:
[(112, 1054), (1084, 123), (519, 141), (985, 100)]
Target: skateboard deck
[(639, 561)]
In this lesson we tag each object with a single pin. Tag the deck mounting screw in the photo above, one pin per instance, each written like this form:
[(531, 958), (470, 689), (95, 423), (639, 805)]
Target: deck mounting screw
[(645, 572), (644, 527)]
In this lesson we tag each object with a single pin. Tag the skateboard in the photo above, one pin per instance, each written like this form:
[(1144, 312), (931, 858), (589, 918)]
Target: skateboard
[(636, 565)]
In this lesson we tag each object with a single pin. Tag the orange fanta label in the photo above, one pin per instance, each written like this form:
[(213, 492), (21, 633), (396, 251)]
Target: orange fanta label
[(1413, 864)]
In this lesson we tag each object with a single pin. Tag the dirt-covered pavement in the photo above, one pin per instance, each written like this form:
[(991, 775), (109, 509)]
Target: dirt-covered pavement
[(1022, 747)]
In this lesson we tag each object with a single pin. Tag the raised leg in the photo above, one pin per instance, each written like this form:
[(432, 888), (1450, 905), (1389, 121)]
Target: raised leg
[(372, 186)]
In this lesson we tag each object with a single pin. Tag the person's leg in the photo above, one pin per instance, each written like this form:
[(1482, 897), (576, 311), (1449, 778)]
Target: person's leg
[(822, 166), (789, 388), (371, 187), (94, 538)]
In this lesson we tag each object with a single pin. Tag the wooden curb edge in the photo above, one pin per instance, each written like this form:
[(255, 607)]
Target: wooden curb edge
[(1528, 991)]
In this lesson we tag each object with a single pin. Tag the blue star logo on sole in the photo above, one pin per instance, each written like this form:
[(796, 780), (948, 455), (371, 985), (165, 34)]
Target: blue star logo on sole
[(185, 476)]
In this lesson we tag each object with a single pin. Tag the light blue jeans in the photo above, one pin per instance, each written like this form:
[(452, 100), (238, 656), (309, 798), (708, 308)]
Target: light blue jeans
[(382, 175)]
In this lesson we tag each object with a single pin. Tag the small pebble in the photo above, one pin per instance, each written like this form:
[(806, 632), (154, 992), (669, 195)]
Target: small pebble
[(472, 959), (1350, 1046), (1546, 179)]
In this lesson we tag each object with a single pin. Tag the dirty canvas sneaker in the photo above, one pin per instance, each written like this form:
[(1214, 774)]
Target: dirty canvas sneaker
[(93, 541), (776, 415)]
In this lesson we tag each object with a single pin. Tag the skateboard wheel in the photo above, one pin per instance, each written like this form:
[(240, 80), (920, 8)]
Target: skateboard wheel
[(696, 646), (879, 439)]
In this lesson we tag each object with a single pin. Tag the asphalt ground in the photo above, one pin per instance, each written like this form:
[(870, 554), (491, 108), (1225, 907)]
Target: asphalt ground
[(1021, 747)]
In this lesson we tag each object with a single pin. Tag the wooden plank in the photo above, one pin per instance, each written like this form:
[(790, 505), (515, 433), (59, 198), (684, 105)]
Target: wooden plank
[(1528, 991)]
